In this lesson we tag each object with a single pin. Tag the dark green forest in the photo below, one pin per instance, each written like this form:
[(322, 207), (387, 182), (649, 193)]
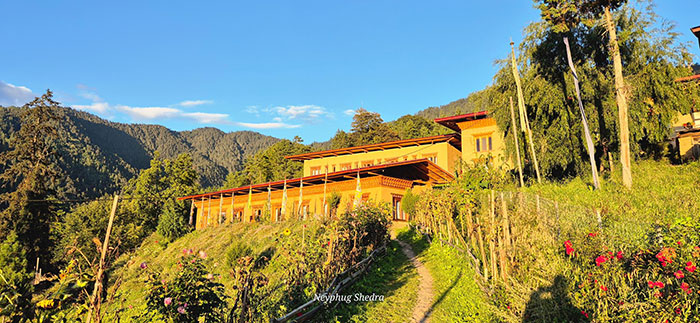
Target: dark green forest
[(99, 156)]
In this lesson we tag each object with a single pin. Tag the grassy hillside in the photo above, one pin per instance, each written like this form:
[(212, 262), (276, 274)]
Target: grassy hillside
[(163, 258)]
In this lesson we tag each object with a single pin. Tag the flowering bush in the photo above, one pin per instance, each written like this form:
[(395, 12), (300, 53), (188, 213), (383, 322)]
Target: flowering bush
[(192, 294), (659, 282)]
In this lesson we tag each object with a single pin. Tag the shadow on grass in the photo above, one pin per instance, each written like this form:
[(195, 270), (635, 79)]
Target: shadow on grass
[(552, 304), (385, 277)]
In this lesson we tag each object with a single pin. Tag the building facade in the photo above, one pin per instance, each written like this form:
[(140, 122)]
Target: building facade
[(380, 172)]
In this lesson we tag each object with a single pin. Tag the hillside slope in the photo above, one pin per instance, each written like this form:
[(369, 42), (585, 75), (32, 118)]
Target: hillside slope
[(99, 155)]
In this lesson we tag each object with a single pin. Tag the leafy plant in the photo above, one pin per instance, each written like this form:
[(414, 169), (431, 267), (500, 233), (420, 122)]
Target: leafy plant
[(191, 295)]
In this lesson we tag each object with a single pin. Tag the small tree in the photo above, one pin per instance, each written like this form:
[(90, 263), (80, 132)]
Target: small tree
[(333, 202), (15, 281), (408, 203), (172, 223)]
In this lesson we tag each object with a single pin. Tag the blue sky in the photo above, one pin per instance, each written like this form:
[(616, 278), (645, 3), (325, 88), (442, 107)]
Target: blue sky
[(283, 68)]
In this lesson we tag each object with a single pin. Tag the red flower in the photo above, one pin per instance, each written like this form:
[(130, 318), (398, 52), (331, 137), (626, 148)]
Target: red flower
[(658, 294), (685, 287), (600, 260), (619, 255), (677, 310), (603, 288), (689, 266), (679, 274), (584, 314), (679, 243), (569, 248), (592, 234), (659, 284), (651, 284)]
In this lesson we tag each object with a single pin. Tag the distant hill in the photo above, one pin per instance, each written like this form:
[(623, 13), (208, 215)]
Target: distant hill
[(100, 155)]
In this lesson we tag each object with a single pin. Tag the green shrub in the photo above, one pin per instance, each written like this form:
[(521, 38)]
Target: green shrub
[(172, 223), (193, 294), (15, 281), (408, 203), (238, 249)]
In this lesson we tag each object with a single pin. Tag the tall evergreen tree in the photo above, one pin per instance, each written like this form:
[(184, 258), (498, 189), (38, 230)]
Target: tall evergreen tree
[(31, 175)]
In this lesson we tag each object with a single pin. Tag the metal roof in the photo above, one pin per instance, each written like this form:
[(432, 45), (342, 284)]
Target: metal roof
[(453, 139), (451, 122), (419, 170)]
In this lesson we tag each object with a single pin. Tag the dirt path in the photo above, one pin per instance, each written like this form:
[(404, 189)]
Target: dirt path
[(425, 287)]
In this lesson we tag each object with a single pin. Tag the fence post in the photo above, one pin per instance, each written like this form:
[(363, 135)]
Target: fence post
[(96, 299), (492, 238), (481, 249), (506, 228)]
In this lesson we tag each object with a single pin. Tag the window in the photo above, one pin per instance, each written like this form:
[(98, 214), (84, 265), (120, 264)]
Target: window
[(366, 163), (316, 170), (390, 160), (345, 166), (431, 157), (397, 211), (222, 217), (484, 144)]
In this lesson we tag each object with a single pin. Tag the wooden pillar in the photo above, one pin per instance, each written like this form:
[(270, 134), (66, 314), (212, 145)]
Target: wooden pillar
[(191, 211), (492, 238), (221, 207), (233, 211), (480, 235), (517, 145), (209, 211)]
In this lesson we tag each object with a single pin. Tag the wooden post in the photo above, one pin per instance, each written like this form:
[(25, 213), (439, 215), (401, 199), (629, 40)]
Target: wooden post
[(191, 211), (621, 98), (521, 104), (233, 211), (481, 249), (209, 211), (506, 228), (96, 299), (221, 207), (492, 237), (502, 258), (610, 161), (470, 227), (517, 145)]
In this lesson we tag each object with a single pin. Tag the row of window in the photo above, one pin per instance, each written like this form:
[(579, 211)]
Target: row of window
[(318, 170)]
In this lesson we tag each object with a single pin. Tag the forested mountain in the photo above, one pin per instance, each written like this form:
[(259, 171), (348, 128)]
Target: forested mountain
[(99, 155)]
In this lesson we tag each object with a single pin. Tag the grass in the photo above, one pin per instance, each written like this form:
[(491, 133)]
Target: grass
[(457, 297), (392, 276), (163, 258), (662, 194)]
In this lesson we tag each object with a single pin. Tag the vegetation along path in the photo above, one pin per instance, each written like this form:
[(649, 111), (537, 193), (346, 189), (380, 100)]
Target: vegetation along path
[(421, 311)]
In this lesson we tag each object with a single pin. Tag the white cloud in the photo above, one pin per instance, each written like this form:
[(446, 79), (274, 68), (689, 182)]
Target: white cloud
[(253, 110), (302, 112), (192, 103), (99, 107), (267, 125), (202, 117), (149, 113), (349, 112), (14, 95)]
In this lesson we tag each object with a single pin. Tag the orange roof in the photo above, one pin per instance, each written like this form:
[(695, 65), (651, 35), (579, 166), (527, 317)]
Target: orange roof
[(688, 78), (451, 138), (451, 122), (414, 170)]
